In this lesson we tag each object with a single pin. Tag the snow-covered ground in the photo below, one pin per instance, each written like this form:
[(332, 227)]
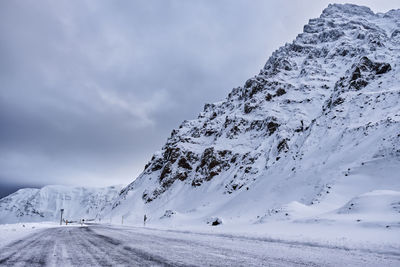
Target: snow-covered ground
[(110, 245), (344, 236), (12, 232), (374, 237), (368, 222)]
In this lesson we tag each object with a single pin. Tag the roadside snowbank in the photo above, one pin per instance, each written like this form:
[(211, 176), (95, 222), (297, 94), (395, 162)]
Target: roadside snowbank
[(321, 234), (368, 222)]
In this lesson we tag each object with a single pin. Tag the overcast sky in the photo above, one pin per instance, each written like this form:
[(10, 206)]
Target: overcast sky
[(90, 89)]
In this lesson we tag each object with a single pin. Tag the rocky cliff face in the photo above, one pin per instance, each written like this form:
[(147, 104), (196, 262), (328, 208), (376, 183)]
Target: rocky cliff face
[(319, 123)]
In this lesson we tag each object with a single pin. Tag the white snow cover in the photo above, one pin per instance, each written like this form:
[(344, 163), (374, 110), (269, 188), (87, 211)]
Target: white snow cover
[(13, 232), (318, 128), (38, 205)]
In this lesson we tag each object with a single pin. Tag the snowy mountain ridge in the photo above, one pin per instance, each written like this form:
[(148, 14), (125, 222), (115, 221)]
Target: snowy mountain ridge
[(32, 204)]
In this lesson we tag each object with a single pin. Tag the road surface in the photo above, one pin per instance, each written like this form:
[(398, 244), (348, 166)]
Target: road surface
[(101, 245)]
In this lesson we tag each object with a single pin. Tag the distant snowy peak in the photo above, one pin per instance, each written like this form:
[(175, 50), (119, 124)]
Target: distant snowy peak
[(31, 204)]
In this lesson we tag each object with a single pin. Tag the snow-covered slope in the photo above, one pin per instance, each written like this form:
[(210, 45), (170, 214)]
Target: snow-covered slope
[(317, 127), (33, 205)]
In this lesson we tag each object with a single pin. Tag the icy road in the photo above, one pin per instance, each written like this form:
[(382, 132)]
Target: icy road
[(100, 245)]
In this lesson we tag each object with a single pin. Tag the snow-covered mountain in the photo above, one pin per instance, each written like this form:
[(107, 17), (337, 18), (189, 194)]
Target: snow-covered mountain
[(33, 205), (318, 129), (315, 136)]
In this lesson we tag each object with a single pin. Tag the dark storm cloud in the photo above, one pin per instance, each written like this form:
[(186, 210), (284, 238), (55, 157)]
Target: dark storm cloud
[(90, 89)]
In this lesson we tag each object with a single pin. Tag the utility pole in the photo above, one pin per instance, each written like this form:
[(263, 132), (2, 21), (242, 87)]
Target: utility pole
[(62, 211)]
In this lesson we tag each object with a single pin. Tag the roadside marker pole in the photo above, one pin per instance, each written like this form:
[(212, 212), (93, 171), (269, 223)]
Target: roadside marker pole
[(62, 211)]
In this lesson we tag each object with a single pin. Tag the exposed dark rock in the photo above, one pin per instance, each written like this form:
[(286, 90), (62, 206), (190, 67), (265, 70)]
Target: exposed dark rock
[(167, 170), (247, 170), (234, 158), (257, 125), (171, 154), (235, 130), (145, 196), (184, 164), (366, 70), (248, 83), (197, 182), (248, 108), (223, 153), (280, 92), (338, 101), (358, 84), (258, 87), (214, 221), (272, 127), (330, 35), (147, 165), (301, 128), (168, 214), (167, 183), (157, 164), (383, 68), (283, 145), (211, 164), (210, 132), (182, 176), (356, 74)]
